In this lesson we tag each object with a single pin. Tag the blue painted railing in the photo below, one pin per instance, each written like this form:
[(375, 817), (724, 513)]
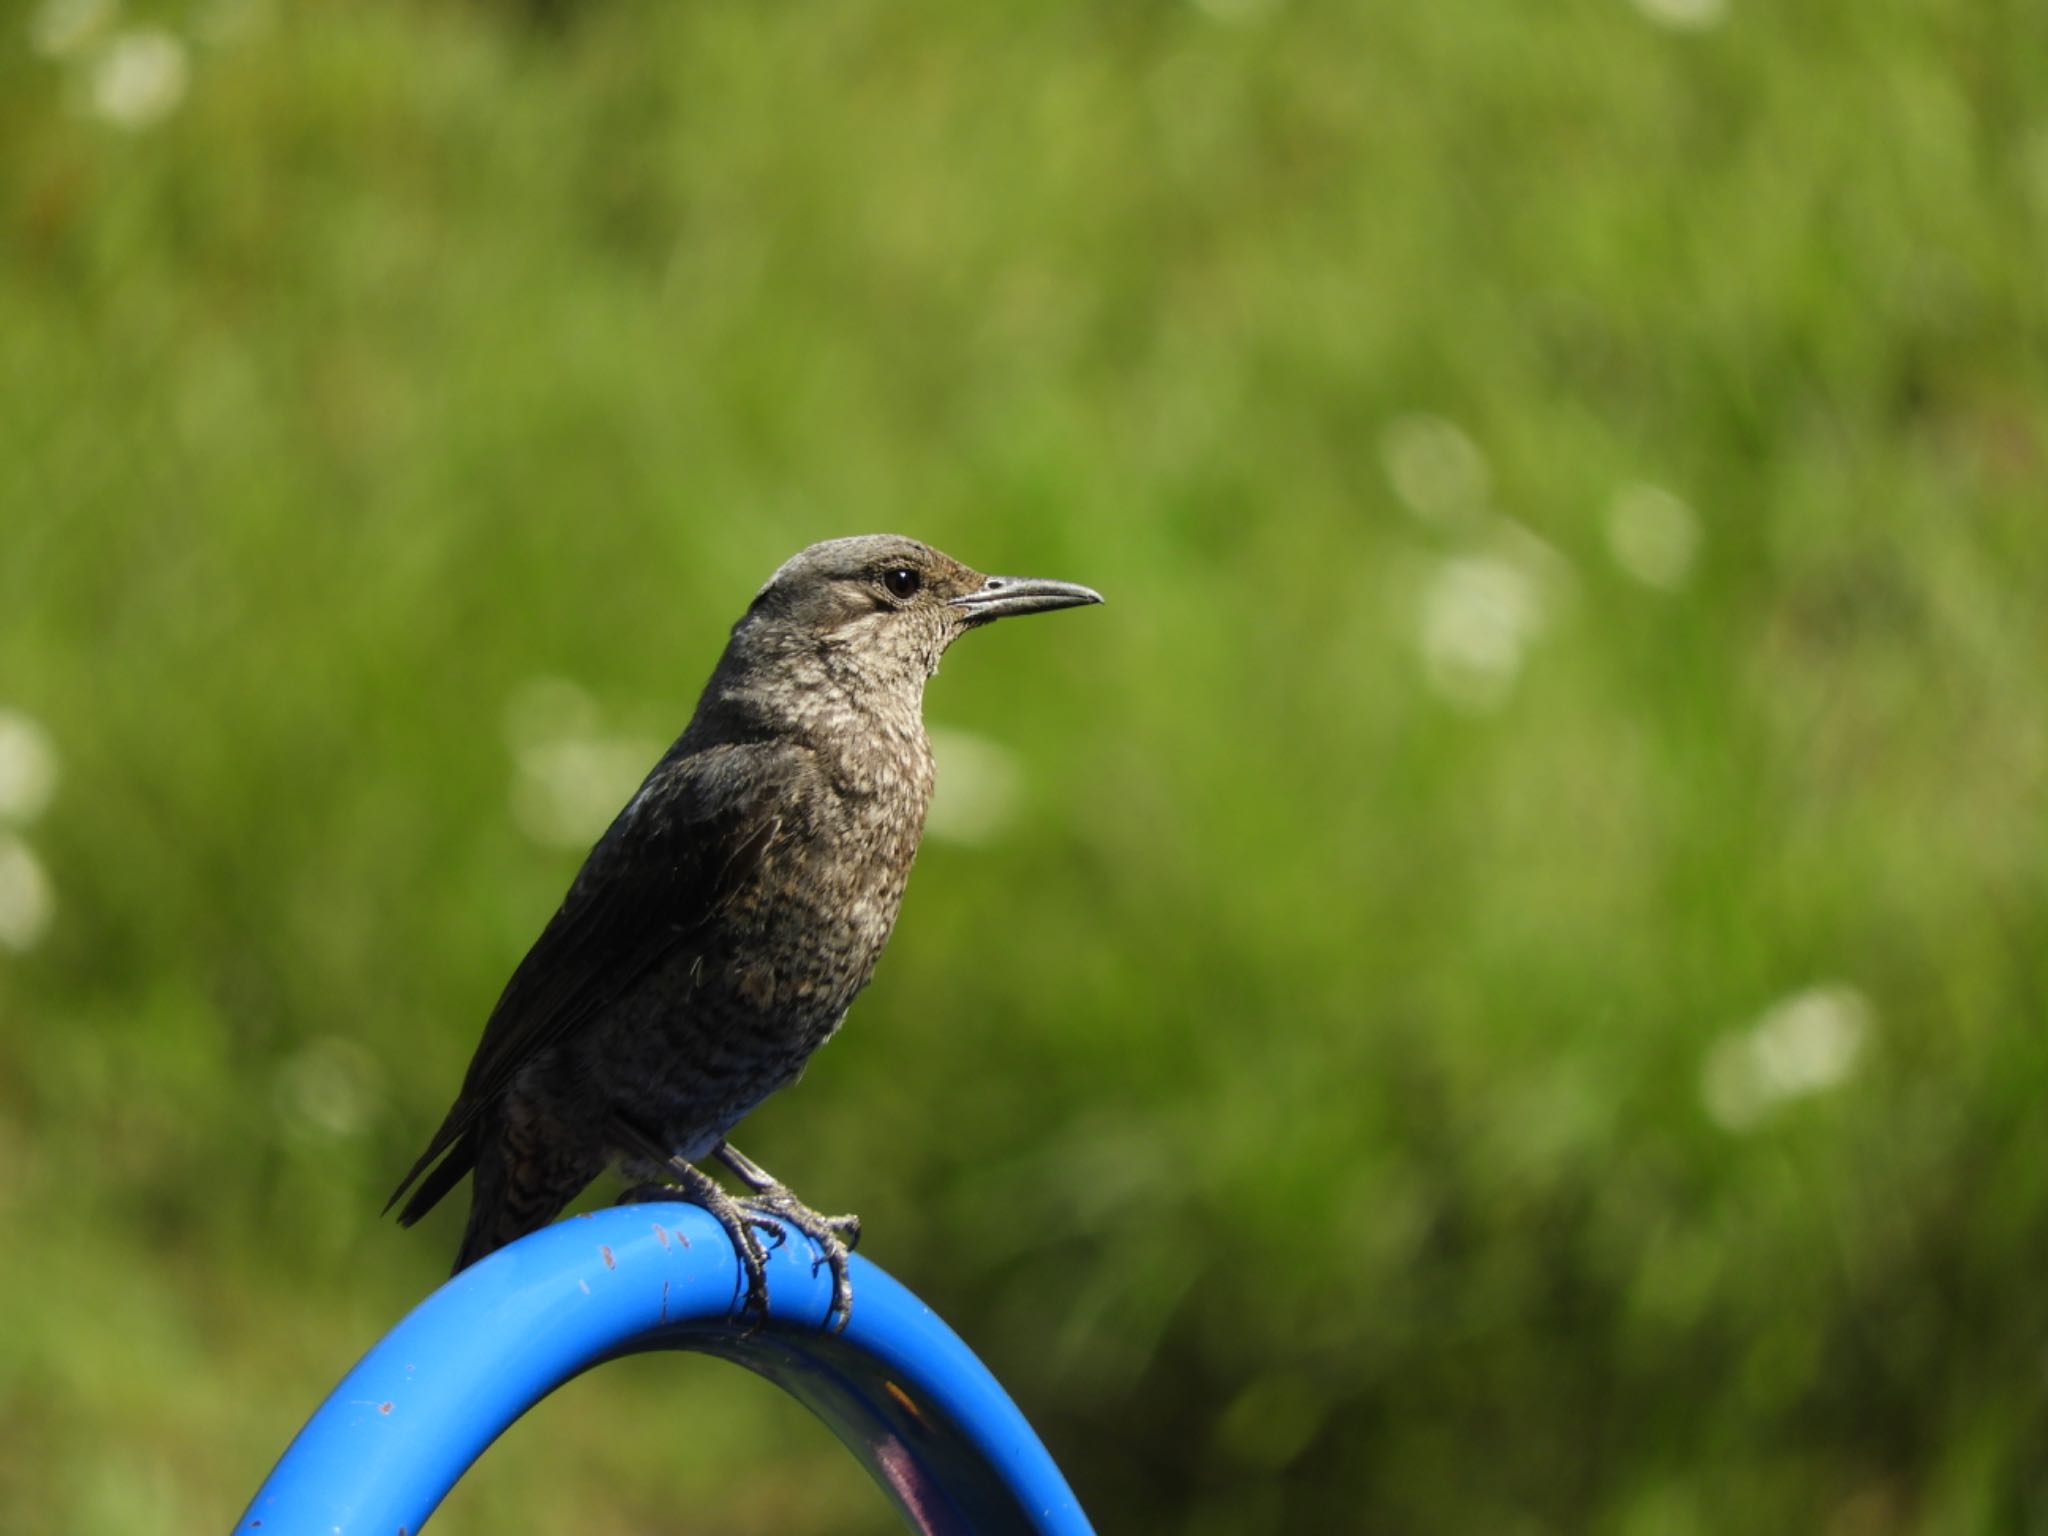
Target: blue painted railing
[(922, 1414)]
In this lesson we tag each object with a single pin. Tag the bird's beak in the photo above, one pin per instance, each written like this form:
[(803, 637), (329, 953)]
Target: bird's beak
[(999, 597)]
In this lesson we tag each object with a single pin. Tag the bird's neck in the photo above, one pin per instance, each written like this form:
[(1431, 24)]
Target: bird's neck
[(865, 720)]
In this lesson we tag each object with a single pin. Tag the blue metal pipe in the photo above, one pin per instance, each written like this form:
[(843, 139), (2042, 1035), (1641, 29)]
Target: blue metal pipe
[(921, 1413)]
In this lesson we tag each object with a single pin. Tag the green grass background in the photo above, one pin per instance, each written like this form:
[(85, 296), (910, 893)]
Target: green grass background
[(1300, 1099)]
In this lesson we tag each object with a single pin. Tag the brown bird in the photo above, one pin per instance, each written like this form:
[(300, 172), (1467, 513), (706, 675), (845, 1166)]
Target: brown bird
[(722, 925)]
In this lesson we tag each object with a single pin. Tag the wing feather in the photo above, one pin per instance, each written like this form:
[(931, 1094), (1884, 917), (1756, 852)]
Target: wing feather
[(666, 868)]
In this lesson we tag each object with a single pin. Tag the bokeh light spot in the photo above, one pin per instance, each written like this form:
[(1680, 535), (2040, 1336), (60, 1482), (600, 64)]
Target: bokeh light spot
[(26, 901), (330, 1088), (61, 28), (28, 767), (1685, 15), (1802, 1045), (1437, 471), (1479, 615), (1652, 535), (569, 777), (979, 786), (139, 78)]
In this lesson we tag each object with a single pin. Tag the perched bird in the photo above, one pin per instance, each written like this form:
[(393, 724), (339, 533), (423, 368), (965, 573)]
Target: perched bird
[(722, 925)]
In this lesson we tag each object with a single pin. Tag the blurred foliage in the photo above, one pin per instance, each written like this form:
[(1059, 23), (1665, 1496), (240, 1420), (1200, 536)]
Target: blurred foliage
[(1504, 988)]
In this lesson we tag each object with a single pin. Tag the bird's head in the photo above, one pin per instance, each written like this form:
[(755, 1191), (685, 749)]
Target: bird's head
[(884, 602)]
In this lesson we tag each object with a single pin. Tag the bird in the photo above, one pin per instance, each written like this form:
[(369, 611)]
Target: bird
[(722, 925)]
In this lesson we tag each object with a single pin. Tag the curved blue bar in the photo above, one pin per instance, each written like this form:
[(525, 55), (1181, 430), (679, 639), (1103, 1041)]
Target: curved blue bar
[(911, 1401)]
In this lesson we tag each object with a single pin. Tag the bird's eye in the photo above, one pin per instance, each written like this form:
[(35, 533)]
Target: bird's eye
[(902, 581)]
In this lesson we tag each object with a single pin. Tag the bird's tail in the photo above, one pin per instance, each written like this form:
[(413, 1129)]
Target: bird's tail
[(509, 1198), (441, 1178)]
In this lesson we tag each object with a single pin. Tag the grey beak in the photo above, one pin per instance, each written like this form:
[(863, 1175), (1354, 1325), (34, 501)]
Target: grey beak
[(1000, 597)]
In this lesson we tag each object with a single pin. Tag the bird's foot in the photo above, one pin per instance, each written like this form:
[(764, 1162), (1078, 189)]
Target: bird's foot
[(740, 1219), (834, 1236)]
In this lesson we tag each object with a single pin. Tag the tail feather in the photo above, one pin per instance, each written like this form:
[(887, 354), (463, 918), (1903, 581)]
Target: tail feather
[(457, 1137), (517, 1187), (505, 1203), (444, 1176)]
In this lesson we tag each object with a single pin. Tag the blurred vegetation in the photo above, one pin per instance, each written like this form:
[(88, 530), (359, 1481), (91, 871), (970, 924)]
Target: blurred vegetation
[(1498, 986)]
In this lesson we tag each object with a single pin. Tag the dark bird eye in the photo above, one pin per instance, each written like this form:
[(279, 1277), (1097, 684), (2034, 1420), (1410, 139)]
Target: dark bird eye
[(902, 581)]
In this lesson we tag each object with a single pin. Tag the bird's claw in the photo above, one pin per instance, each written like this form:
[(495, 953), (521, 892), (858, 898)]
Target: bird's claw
[(737, 1218), (770, 1210), (846, 1228), (833, 1236)]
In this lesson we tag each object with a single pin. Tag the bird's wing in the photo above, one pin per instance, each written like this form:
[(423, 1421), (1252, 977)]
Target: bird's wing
[(668, 865)]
